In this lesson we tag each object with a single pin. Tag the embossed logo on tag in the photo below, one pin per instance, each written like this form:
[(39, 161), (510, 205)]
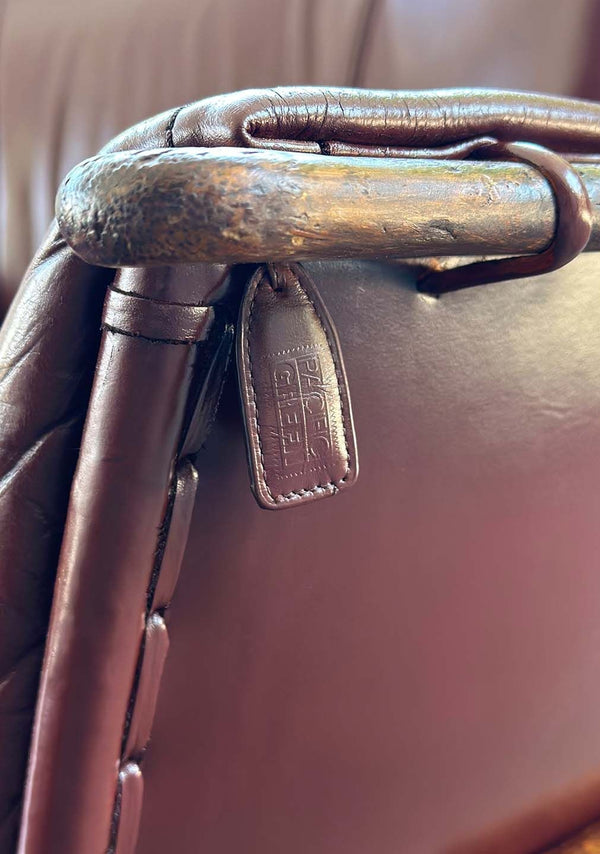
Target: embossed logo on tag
[(297, 411), (301, 398)]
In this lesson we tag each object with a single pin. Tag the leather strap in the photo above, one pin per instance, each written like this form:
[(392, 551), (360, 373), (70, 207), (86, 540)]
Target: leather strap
[(572, 233), (152, 655)]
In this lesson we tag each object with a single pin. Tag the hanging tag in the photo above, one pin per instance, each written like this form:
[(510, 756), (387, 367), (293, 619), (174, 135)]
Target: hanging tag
[(297, 413)]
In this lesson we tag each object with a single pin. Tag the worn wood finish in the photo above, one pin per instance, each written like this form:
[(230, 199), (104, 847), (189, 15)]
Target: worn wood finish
[(586, 842), (243, 205)]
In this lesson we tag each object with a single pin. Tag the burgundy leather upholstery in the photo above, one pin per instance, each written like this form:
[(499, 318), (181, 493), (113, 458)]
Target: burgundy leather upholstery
[(47, 358), (328, 701), (413, 661), (414, 664)]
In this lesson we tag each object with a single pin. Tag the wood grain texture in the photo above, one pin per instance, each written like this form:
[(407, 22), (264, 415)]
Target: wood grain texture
[(242, 205)]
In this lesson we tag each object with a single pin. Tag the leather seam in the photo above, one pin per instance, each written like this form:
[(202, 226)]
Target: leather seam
[(149, 610), (172, 341), (256, 425), (331, 485), (170, 126), (115, 290)]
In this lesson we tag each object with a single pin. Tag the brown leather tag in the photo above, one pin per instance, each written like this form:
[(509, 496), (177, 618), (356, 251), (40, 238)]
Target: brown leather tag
[(299, 429)]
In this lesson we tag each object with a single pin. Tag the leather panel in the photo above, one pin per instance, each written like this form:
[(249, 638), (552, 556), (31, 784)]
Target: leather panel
[(47, 355), (415, 664)]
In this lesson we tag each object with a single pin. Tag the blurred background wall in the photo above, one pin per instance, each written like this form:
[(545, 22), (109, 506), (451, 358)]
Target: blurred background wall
[(73, 73)]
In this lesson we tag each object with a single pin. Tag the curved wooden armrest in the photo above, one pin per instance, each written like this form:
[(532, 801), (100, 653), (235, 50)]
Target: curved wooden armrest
[(233, 205)]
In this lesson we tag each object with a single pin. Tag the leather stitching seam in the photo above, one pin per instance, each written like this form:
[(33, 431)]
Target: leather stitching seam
[(175, 341), (248, 359), (170, 125)]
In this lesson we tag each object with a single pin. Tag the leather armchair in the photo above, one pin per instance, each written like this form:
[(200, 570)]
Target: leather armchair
[(411, 665)]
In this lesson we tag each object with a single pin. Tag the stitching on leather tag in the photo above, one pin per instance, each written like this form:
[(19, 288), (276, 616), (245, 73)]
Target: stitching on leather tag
[(297, 412)]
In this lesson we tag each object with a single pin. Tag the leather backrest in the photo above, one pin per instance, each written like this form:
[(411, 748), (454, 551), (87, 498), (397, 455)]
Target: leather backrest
[(75, 73)]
